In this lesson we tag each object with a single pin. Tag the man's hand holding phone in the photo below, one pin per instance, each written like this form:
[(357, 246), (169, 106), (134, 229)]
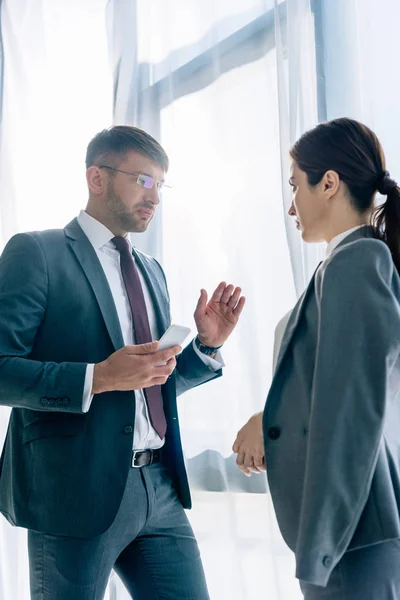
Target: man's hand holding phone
[(140, 366)]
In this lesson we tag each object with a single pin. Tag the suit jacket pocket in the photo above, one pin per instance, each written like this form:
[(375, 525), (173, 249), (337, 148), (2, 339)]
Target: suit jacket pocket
[(62, 426)]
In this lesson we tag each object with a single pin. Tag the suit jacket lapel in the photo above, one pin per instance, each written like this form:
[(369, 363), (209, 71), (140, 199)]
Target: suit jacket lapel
[(90, 264), (152, 279)]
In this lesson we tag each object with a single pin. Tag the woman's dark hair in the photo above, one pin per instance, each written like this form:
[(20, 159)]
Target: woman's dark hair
[(355, 153), (111, 145)]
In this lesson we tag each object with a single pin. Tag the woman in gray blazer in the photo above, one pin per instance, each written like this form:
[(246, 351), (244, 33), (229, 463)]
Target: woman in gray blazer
[(330, 431)]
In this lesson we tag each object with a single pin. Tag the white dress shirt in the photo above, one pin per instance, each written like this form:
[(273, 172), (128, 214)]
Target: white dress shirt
[(100, 237), (281, 327)]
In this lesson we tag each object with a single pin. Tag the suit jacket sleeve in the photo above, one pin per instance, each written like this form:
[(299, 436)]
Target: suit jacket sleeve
[(190, 371), (358, 344), (25, 382)]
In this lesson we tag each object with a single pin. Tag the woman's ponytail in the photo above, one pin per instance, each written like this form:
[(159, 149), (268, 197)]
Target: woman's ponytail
[(386, 218)]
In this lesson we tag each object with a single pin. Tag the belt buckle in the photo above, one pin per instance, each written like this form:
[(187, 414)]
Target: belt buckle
[(135, 452)]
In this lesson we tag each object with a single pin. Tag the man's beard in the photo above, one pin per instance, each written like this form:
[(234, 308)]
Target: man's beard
[(126, 220)]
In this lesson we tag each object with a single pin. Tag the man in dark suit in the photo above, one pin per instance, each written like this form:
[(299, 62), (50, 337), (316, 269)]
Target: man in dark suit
[(92, 464)]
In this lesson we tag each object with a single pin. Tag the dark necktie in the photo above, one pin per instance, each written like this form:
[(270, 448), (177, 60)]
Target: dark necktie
[(142, 329)]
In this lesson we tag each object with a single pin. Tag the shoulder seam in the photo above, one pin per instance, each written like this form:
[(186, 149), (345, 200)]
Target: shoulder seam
[(33, 237)]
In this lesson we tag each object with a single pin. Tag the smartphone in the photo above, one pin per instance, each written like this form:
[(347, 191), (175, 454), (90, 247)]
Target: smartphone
[(175, 335)]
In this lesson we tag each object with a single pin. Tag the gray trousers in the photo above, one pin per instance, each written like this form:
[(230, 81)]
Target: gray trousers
[(150, 545), (371, 573)]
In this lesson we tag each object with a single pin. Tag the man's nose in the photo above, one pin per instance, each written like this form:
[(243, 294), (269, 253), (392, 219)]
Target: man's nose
[(153, 196)]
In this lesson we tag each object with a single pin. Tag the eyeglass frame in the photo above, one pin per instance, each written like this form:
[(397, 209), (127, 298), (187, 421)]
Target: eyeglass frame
[(160, 184)]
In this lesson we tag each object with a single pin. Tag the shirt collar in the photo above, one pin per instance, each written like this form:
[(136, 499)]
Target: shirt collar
[(97, 233), (334, 243)]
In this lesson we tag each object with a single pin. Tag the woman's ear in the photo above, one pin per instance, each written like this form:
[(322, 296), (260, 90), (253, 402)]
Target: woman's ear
[(330, 183)]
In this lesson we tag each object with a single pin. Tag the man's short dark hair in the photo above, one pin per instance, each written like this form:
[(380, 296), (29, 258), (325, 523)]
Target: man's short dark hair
[(111, 146)]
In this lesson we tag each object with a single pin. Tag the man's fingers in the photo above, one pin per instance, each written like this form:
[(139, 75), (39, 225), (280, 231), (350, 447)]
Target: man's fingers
[(164, 368), (216, 297), (148, 348), (236, 311), (226, 294), (171, 363), (234, 299), (165, 355)]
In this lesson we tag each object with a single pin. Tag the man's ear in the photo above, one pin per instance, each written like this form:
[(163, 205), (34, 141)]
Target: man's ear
[(96, 180)]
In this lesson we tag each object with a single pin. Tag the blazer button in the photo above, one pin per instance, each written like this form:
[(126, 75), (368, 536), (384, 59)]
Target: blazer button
[(274, 433), (66, 400), (44, 401), (50, 401), (327, 561), (305, 431), (128, 429)]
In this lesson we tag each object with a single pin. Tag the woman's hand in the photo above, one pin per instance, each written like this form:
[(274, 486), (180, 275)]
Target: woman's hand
[(249, 446)]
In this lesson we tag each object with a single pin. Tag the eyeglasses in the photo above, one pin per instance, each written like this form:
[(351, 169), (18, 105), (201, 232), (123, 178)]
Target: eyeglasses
[(144, 180)]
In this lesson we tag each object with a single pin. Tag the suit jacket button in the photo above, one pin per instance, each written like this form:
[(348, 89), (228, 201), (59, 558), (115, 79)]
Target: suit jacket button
[(44, 401), (66, 400), (305, 431), (327, 561), (274, 433), (128, 429), (50, 401)]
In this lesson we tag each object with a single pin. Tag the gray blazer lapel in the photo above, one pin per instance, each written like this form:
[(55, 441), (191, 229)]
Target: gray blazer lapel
[(364, 232), (90, 264), (294, 321), (151, 274)]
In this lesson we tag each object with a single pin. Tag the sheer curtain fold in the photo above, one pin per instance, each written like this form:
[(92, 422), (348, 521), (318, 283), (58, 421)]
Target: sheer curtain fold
[(298, 102)]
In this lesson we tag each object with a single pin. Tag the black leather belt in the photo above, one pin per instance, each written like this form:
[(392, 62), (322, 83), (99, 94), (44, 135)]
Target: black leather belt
[(144, 458)]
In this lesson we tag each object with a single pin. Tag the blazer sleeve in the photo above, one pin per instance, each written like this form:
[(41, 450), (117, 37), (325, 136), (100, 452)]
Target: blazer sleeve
[(27, 383), (358, 344), (190, 370)]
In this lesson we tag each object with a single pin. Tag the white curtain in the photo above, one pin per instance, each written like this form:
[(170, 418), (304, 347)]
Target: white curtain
[(360, 74), (227, 86), (56, 94)]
